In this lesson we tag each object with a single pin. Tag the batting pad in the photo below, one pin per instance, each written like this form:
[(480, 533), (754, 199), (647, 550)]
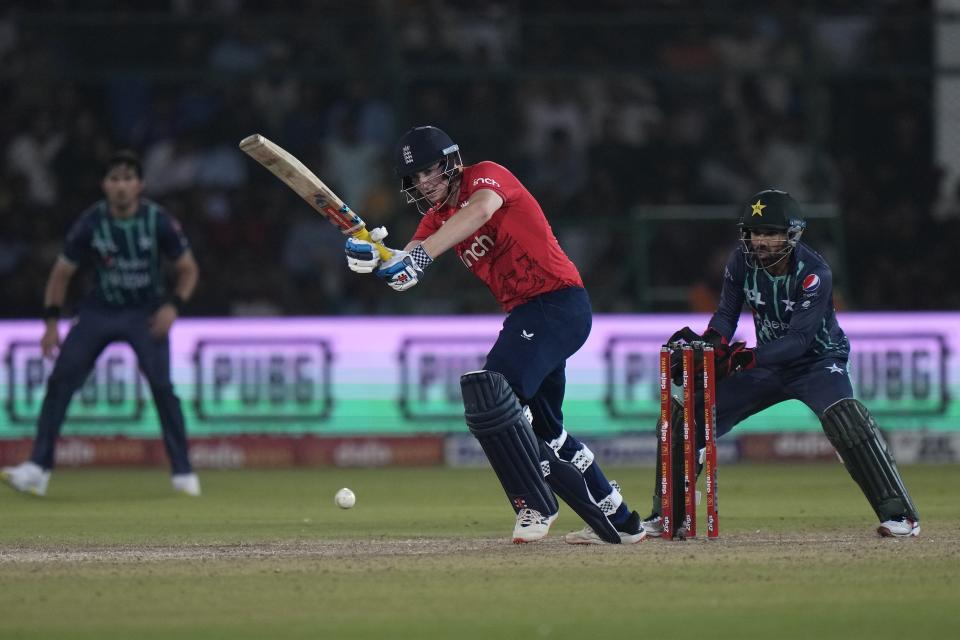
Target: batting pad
[(854, 434), (567, 480), (494, 417)]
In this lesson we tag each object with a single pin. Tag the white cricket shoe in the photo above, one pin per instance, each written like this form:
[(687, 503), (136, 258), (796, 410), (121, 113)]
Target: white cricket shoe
[(28, 477), (630, 532), (653, 525), (186, 483), (902, 528), (532, 526)]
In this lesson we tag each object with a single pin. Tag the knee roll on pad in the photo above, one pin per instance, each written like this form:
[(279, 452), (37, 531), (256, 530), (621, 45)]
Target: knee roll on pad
[(568, 482), (854, 434), (574, 490), (495, 418)]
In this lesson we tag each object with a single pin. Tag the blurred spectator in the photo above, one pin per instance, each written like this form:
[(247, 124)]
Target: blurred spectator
[(276, 92), (548, 105), (31, 154), (169, 165), (558, 173), (350, 164), (601, 110), (239, 50), (484, 36), (372, 116)]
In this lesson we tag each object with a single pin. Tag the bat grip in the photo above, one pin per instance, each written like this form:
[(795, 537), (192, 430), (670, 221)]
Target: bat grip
[(363, 234)]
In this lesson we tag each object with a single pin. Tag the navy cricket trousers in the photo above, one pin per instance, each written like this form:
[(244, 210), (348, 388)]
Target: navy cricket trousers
[(93, 331), (818, 385), (532, 350)]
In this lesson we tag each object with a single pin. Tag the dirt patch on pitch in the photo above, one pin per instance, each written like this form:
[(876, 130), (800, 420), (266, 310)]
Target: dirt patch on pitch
[(259, 550), (731, 547)]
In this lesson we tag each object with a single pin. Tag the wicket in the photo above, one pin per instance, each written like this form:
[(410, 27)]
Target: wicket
[(690, 354)]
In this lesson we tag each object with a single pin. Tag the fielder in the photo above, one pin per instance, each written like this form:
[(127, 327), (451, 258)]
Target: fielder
[(801, 354), (125, 237), (501, 235)]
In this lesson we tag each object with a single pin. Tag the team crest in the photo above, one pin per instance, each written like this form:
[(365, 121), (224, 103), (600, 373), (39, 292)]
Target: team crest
[(407, 154), (811, 283)]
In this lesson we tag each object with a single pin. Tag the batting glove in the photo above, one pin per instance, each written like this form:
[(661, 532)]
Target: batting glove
[(362, 255), (404, 269)]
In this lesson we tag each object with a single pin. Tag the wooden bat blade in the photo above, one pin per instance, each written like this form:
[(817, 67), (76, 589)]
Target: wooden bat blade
[(304, 182), (308, 186)]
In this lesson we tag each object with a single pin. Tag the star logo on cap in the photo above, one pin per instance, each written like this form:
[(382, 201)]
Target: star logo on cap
[(757, 208)]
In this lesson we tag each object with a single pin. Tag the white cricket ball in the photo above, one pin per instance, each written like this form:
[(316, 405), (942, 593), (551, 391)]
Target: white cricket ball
[(345, 498)]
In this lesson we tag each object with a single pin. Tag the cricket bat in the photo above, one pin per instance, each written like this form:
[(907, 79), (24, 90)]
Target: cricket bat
[(308, 186)]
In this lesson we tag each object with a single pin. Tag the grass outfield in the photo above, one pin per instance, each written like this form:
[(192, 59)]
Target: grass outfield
[(426, 554)]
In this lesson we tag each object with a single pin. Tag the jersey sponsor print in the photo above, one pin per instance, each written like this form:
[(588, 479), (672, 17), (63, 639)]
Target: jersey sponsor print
[(515, 253)]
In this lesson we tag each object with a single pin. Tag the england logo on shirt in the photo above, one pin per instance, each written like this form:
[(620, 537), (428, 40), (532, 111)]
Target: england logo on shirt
[(811, 283)]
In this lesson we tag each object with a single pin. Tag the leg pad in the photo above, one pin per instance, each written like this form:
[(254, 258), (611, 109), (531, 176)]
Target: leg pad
[(495, 419), (568, 482), (854, 434)]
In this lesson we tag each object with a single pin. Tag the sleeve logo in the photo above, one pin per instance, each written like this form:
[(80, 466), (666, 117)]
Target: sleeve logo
[(811, 283), (487, 181)]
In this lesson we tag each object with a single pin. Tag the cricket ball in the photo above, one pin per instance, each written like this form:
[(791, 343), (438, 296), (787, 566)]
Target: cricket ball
[(345, 498)]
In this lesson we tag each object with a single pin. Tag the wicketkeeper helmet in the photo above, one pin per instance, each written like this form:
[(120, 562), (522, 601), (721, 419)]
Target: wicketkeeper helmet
[(775, 210)]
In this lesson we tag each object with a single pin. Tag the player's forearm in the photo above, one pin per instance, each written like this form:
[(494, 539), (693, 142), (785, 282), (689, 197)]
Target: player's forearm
[(187, 275), (725, 325), (483, 204), (55, 292), (456, 229), (782, 350), (727, 316)]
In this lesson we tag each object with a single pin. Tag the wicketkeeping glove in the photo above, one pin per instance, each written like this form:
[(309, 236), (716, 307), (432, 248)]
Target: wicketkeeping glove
[(362, 255), (742, 358), (687, 335), (722, 363)]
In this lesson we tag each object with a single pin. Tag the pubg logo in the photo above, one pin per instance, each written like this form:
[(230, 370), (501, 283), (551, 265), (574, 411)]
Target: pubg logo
[(113, 392), (430, 370), (247, 379)]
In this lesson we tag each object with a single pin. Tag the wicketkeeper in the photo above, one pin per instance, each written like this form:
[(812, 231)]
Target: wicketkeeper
[(801, 354)]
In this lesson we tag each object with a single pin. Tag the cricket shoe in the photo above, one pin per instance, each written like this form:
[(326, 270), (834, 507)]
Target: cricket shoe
[(532, 526), (653, 525), (186, 483), (27, 477), (902, 528), (631, 531)]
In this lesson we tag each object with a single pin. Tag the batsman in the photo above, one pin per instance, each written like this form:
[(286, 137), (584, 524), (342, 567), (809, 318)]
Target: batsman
[(801, 354), (513, 406)]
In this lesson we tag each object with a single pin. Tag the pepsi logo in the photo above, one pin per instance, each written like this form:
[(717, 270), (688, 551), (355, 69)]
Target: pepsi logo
[(811, 283)]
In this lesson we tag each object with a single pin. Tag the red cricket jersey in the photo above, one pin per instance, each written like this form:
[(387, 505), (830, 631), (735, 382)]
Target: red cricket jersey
[(515, 253)]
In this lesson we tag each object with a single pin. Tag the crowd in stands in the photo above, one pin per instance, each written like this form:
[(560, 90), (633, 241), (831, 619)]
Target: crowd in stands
[(604, 114)]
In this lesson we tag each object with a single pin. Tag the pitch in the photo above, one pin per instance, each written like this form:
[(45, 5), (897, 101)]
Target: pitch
[(426, 553)]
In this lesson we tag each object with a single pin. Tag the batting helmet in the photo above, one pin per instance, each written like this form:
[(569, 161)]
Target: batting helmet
[(421, 148)]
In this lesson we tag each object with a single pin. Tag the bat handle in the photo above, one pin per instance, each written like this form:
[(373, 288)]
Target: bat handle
[(363, 234)]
